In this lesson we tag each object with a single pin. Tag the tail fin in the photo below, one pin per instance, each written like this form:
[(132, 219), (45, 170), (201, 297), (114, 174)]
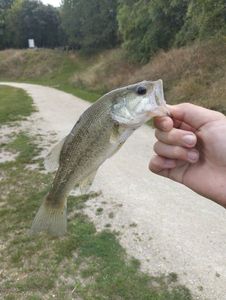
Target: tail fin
[(52, 220)]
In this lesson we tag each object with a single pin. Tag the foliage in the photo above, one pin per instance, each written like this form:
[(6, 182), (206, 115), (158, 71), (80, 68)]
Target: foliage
[(204, 19), (32, 19), (5, 5), (90, 24), (147, 26), (142, 26)]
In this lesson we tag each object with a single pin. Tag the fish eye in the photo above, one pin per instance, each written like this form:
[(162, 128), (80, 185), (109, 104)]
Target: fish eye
[(141, 90)]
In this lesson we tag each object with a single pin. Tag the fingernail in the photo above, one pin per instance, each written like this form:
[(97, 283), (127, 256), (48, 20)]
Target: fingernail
[(193, 156), (189, 139)]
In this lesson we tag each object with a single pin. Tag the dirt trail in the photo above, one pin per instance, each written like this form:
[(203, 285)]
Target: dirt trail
[(165, 225)]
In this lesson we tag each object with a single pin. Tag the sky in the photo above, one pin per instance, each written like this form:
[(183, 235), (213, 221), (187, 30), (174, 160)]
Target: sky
[(55, 3)]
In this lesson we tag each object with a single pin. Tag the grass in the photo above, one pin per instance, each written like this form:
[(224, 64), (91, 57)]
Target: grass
[(22, 144), (89, 264), (47, 67), (84, 264), (15, 104), (195, 73)]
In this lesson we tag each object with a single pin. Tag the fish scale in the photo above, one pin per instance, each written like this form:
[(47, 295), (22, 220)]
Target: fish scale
[(99, 133)]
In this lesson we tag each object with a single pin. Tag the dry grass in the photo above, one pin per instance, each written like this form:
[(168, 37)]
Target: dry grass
[(194, 73), (107, 71), (51, 67), (28, 63)]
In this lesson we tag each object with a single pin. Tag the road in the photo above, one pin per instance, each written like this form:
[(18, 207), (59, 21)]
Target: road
[(165, 225)]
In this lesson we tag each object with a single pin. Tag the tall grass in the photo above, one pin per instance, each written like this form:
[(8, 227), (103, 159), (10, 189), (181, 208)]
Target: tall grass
[(194, 73)]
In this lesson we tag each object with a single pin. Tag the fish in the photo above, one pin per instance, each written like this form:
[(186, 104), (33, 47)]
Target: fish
[(98, 134)]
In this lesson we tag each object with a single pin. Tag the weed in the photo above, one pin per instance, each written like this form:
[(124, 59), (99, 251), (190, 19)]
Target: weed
[(111, 215), (172, 277), (107, 225), (133, 224), (99, 211)]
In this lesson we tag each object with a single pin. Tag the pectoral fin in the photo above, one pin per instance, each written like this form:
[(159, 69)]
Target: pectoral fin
[(52, 159), (120, 134), (86, 183), (115, 134)]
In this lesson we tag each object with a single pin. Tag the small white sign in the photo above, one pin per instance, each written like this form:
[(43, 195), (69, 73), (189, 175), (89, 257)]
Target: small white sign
[(31, 43)]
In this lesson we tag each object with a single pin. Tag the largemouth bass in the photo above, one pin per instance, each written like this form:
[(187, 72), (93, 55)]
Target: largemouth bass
[(99, 133)]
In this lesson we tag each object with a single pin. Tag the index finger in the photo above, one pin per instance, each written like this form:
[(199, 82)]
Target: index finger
[(194, 115)]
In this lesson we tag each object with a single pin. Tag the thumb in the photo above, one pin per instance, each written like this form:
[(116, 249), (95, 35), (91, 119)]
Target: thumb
[(193, 115)]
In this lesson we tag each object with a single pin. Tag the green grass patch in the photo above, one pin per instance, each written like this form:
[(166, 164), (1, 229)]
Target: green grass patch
[(15, 104), (23, 145)]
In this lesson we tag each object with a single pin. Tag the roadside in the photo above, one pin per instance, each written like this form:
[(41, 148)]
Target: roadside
[(163, 224)]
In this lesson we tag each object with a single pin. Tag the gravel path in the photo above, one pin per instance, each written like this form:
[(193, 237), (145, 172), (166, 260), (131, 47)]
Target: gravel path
[(164, 224)]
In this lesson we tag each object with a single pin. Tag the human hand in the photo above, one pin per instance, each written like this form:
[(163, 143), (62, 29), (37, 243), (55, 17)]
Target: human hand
[(191, 149)]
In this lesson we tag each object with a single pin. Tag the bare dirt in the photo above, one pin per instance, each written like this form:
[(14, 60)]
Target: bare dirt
[(165, 225)]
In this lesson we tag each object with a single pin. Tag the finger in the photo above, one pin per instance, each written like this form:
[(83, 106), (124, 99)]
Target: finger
[(194, 115), (163, 123), (176, 152), (161, 165), (177, 137), (173, 169)]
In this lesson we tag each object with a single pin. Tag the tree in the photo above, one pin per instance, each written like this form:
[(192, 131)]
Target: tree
[(5, 5), (149, 25), (90, 25), (32, 19), (204, 19)]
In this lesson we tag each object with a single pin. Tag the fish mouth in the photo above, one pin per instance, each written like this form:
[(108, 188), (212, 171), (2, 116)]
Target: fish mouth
[(156, 102), (160, 111)]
